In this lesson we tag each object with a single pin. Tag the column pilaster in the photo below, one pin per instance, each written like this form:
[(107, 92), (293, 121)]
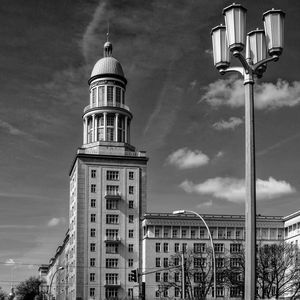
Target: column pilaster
[(126, 136), (104, 121), (93, 126), (116, 126)]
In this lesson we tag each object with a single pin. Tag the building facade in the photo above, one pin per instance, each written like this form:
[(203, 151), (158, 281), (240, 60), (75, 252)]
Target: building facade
[(110, 232)]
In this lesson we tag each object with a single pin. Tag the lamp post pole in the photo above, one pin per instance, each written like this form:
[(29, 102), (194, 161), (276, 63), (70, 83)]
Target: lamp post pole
[(50, 294), (181, 212), (232, 38)]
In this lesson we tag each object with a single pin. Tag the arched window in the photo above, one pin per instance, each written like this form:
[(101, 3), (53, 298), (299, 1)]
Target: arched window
[(101, 92), (110, 95), (90, 130), (110, 127), (100, 133), (118, 96)]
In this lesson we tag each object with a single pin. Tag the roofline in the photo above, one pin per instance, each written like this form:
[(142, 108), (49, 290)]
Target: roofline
[(84, 155), (107, 75), (292, 215)]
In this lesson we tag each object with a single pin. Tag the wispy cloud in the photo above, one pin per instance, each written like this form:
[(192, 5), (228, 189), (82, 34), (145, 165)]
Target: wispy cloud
[(230, 92), (55, 222), (205, 204), (10, 262), (233, 189), (185, 158), (231, 123), (278, 145)]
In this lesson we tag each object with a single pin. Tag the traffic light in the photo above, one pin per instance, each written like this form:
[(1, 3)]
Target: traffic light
[(134, 275)]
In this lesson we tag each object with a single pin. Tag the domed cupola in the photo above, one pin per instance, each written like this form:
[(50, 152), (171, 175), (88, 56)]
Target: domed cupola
[(106, 120)]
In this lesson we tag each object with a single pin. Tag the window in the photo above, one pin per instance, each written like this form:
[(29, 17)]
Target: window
[(229, 233), (175, 232), (92, 247), (199, 277), (130, 233), (93, 218), (157, 262), (110, 95), (176, 261), (176, 247), (177, 277), (94, 94), (199, 247), (93, 188), (101, 95), (202, 233), (130, 262), (157, 232), (93, 173), (111, 278), (221, 233), (183, 232), (130, 292), (131, 175), (184, 247), (111, 293), (130, 204), (112, 248), (92, 262), (111, 263), (199, 262), (157, 293), (157, 247), (220, 262), (235, 291), (165, 276), (130, 247), (238, 233), (93, 232), (193, 233), (166, 293), (92, 277), (112, 190), (112, 175), (157, 277), (220, 291), (130, 218), (219, 247), (166, 247), (235, 248), (167, 231), (131, 190), (235, 262), (220, 277), (112, 234), (93, 202), (177, 292), (118, 95), (112, 219), (166, 262), (92, 292), (111, 204)]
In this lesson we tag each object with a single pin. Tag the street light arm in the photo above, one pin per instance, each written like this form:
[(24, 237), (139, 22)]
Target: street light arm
[(232, 70), (264, 61), (246, 66)]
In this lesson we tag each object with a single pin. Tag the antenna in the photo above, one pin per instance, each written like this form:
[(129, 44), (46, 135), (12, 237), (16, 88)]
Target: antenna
[(107, 34)]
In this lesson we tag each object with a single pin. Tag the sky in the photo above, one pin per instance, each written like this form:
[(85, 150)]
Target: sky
[(188, 117)]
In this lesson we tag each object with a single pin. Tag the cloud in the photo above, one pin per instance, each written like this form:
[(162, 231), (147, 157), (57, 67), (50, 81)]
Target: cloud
[(186, 159), (232, 123), (233, 189), (205, 204), (220, 154), (10, 262), (230, 92), (55, 221)]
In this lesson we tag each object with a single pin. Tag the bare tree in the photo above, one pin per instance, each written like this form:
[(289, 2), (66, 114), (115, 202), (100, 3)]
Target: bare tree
[(278, 272), (198, 274)]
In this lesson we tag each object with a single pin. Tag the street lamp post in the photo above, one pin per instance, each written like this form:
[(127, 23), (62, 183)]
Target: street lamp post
[(181, 212), (50, 294), (232, 38)]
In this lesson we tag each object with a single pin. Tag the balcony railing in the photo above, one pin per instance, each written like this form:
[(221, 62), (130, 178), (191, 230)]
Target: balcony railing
[(110, 104), (112, 283), (112, 239)]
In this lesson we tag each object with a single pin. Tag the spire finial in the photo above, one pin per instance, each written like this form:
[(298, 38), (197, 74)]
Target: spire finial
[(108, 44)]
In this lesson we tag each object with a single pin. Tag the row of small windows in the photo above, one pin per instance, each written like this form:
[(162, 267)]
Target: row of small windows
[(111, 248), (111, 92), (113, 204), (112, 175), (111, 235), (197, 247), (198, 292), (112, 189), (216, 232)]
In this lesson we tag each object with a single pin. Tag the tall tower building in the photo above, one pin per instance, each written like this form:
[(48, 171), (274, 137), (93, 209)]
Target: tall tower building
[(107, 192)]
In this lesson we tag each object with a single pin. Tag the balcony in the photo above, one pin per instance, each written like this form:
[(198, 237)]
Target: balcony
[(109, 104), (112, 195), (112, 283), (112, 239)]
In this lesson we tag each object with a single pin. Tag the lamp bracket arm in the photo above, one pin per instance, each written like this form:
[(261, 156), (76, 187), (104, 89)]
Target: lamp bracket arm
[(264, 61), (233, 70), (247, 67)]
